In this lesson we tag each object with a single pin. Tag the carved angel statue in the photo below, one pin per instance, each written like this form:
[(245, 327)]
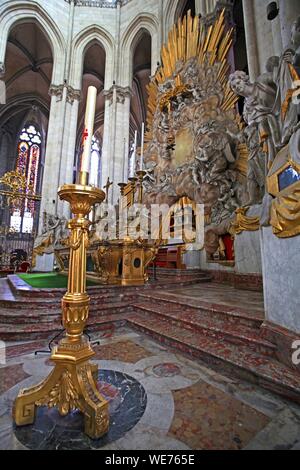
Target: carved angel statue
[(55, 227), (260, 99), (50, 222), (256, 175)]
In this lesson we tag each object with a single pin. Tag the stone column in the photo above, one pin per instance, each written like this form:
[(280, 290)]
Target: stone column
[(281, 257), (116, 129), (5, 151), (161, 23), (52, 168), (2, 84), (155, 52), (277, 39), (120, 169), (68, 144), (106, 145), (289, 10), (200, 6), (251, 39), (210, 6)]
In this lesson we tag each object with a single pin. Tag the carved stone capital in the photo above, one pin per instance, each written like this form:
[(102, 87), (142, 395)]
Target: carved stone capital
[(73, 94), (120, 92), (56, 90)]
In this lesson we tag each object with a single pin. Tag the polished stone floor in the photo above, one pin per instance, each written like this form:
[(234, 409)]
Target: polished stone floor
[(214, 293), (158, 401)]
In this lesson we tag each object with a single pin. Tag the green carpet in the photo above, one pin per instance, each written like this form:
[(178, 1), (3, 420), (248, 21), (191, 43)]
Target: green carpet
[(49, 280)]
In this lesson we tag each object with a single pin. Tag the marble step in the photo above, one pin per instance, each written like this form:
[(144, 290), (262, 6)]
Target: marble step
[(107, 321), (188, 307), (239, 361), (178, 272), (54, 303), (31, 316), (31, 304), (34, 331), (30, 331), (210, 326), (28, 316)]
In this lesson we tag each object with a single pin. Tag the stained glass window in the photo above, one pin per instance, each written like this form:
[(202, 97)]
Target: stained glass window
[(28, 159), (95, 166)]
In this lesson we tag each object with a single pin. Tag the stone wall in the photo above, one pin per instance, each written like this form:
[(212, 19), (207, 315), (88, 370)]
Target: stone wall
[(267, 38), (281, 258)]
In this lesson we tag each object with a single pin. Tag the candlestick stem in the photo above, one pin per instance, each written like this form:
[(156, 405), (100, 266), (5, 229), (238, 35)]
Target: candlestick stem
[(141, 175), (71, 384)]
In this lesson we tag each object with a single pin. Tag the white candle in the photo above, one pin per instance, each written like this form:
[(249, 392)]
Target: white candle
[(124, 158), (88, 129), (134, 155), (142, 146)]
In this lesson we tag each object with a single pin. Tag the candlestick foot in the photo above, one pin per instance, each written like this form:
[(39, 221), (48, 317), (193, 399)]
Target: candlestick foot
[(71, 385)]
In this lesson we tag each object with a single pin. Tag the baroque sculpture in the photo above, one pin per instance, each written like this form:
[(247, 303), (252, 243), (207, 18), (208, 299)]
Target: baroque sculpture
[(271, 112), (54, 234), (194, 137), (198, 146)]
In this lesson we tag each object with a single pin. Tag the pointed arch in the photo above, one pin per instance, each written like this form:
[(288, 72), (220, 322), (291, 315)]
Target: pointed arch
[(16, 12), (83, 40), (171, 8), (140, 24), (22, 102)]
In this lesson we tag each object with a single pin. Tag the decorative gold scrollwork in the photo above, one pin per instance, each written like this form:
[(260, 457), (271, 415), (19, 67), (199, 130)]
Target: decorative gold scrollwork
[(63, 395)]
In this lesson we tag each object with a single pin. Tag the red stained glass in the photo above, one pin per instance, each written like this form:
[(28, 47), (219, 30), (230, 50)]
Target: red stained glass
[(22, 157), (28, 160)]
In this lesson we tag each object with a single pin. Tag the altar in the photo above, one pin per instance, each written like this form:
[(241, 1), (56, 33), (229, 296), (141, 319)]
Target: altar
[(116, 262)]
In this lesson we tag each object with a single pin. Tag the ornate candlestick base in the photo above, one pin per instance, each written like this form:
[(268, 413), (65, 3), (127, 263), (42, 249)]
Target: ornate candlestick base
[(72, 383)]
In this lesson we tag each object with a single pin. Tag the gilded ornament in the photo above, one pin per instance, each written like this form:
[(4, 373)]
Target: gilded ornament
[(285, 212), (243, 223)]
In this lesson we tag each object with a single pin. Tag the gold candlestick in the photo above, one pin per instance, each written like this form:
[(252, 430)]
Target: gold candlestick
[(71, 385), (106, 187), (122, 187), (141, 175), (133, 181)]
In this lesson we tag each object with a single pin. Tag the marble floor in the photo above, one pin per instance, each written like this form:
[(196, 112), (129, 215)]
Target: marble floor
[(214, 293), (158, 401)]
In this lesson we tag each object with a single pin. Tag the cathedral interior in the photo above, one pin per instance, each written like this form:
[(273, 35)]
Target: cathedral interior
[(150, 225)]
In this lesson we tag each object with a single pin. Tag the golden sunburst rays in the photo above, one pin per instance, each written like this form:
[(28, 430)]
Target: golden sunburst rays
[(187, 39)]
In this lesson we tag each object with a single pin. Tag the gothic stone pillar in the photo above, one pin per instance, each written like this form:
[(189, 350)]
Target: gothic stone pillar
[(2, 84), (115, 137), (251, 39), (69, 143), (52, 168), (289, 10)]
